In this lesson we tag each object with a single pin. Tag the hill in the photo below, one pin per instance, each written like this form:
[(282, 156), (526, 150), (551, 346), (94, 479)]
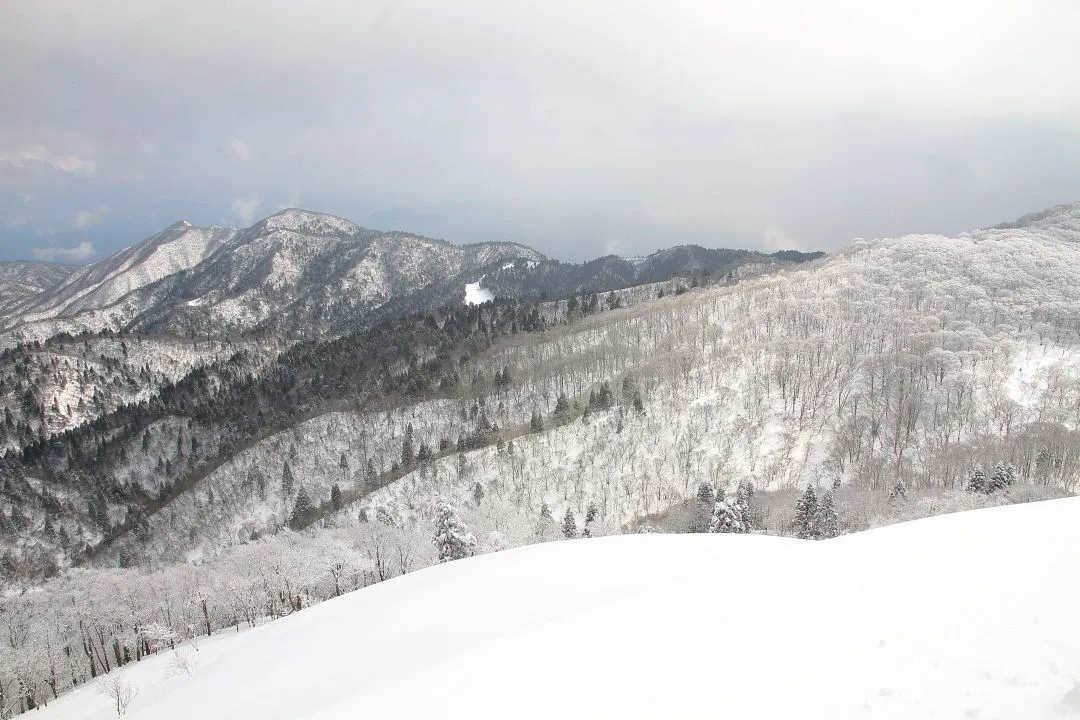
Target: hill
[(967, 615)]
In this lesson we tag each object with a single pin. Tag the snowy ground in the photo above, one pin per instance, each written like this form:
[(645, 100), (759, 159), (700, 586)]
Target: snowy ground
[(962, 616)]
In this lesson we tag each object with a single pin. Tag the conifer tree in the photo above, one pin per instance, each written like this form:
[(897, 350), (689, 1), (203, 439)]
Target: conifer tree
[(977, 482), (536, 424), (898, 491), (407, 453), (726, 517), (569, 526), (478, 494), (335, 497), (828, 522), (1004, 476), (287, 481), (452, 539), (704, 503), (806, 515), (562, 405), (302, 509)]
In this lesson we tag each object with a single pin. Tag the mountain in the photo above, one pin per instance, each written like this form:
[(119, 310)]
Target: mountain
[(966, 615), (904, 361), (305, 274), (23, 281), (297, 272)]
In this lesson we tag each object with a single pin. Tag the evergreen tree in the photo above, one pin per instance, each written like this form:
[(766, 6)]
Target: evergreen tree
[(978, 482), (335, 497), (452, 539), (744, 502), (302, 509), (562, 405), (1004, 476), (536, 424), (898, 491), (726, 517), (828, 522), (407, 453), (478, 494), (806, 515), (590, 515), (569, 526), (545, 512), (287, 481), (702, 511)]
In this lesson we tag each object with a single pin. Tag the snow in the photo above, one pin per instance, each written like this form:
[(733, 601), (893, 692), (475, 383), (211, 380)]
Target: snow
[(881, 624), (475, 295)]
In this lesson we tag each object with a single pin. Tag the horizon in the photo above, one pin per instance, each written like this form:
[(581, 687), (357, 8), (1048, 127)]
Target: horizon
[(576, 129)]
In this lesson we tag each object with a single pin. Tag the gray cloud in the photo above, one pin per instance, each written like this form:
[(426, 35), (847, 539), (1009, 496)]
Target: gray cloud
[(574, 126)]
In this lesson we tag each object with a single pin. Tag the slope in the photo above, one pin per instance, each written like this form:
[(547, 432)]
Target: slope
[(22, 281), (880, 624)]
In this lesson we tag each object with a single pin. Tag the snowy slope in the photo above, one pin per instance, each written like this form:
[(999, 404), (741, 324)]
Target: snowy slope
[(22, 281), (969, 615)]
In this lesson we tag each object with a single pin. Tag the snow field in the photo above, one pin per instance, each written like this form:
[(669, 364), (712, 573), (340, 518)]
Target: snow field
[(966, 615)]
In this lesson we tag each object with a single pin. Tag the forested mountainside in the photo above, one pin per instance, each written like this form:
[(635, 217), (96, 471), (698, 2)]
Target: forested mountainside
[(943, 367), (304, 274), (22, 281)]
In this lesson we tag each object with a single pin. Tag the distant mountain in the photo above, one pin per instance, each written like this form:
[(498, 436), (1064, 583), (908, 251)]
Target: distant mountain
[(296, 272), (307, 274), (22, 281)]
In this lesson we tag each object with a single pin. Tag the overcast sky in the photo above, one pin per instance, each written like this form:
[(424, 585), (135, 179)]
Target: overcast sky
[(579, 127)]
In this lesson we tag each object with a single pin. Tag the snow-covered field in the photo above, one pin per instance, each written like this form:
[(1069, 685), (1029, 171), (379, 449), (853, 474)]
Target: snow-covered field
[(970, 615)]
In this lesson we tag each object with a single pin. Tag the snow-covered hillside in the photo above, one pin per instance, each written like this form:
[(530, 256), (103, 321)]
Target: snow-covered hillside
[(962, 616), (299, 272)]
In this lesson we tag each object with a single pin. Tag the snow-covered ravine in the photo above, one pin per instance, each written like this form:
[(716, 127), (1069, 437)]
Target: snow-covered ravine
[(967, 615)]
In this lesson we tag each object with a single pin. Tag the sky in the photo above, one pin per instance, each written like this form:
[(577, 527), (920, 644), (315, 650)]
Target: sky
[(578, 127)]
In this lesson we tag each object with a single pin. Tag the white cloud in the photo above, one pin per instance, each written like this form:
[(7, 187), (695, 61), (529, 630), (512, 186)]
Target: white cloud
[(86, 218), (13, 223), (36, 155), (243, 209), (237, 148), (292, 202), (78, 254), (775, 238)]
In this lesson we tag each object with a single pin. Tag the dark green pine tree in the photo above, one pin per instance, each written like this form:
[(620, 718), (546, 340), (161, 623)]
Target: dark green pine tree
[(478, 494), (335, 497), (536, 424), (569, 525), (562, 405), (805, 522)]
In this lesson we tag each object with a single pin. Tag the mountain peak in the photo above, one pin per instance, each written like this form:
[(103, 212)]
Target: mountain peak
[(308, 221)]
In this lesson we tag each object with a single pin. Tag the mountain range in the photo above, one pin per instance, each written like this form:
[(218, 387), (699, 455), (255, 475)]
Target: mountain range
[(303, 274)]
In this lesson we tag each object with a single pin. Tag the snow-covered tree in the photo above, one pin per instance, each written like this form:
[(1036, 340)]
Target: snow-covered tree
[(569, 525), (977, 482), (452, 539), (1003, 476), (302, 509), (805, 521), (726, 516), (828, 522)]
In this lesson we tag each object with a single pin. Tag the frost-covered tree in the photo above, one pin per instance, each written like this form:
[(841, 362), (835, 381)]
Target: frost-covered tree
[(1003, 476), (569, 525), (536, 424), (828, 522), (977, 482), (701, 513), (478, 494), (335, 497), (407, 453), (452, 539), (805, 522), (898, 491), (302, 509), (726, 516)]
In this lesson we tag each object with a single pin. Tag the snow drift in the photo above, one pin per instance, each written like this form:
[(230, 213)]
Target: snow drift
[(967, 615)]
